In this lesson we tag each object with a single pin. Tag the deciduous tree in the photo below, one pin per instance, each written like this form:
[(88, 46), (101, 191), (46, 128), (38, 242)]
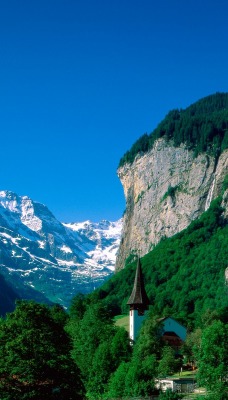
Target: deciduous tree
[(213, 359), (35, 361)]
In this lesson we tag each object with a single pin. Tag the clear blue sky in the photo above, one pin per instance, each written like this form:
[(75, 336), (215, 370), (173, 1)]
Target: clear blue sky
[(81, 80)]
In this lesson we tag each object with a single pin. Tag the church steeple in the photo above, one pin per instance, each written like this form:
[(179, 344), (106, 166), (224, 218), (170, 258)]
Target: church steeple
[(138, 299), (138, 302)]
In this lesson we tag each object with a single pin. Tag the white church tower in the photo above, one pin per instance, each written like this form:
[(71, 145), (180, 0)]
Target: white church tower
[(138, 302)]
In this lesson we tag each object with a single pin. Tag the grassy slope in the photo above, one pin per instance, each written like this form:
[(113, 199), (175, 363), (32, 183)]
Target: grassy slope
[(122, 321)]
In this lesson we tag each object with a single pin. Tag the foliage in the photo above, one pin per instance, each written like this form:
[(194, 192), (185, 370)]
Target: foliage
[(139, 147), (137, 377), (59, 315), (192, 345), (35, 360), (184, 275), (140, 376), (169, 395), (144, 363), (116, 385), (202, 127), (149, 341), (225, 183), (99, 347), (171, 192), (167, 363), (78, 306), (88, 333), (213, 360)]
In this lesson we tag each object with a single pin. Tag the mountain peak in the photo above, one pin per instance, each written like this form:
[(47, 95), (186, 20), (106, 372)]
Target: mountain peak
[(56, 259)]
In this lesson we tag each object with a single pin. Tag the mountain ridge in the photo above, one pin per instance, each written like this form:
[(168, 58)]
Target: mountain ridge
[(57, 260)]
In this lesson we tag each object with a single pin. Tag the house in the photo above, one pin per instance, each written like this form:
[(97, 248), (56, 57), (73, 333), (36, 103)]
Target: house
[(173, 332), (180, 385)]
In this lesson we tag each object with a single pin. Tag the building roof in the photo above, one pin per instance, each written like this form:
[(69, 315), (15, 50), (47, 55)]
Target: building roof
[(138, 295), (174, 319)]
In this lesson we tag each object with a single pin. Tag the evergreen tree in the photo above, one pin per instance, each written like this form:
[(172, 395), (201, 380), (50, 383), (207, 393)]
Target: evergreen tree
[(202, 127)]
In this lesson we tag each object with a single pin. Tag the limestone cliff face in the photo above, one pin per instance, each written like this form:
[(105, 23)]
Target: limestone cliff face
[(165, 190)]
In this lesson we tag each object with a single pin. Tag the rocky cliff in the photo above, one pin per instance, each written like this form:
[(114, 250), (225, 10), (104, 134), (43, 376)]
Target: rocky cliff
[(165, 189)]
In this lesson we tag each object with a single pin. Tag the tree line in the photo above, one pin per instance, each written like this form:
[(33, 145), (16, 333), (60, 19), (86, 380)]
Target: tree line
[(202, 127)]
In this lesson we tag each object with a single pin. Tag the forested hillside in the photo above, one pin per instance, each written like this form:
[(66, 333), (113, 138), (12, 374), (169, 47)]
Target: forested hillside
[(203, 127), (83, 354), (184, 275)]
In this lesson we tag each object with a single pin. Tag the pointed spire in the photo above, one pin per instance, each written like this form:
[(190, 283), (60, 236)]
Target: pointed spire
[(138, 296)]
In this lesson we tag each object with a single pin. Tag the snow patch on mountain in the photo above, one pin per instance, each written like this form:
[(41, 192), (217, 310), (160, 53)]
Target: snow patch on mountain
[(66, 249), (104, 240), (56, 259)]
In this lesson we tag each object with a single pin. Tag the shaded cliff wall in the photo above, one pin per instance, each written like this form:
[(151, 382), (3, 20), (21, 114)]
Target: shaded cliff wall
[(165, 190)]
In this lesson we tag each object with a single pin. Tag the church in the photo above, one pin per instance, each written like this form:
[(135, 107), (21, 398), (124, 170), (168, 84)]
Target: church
[(138, 302), (172, 331)]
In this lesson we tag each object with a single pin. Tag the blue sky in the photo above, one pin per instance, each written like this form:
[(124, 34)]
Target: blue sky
[(81, 80)]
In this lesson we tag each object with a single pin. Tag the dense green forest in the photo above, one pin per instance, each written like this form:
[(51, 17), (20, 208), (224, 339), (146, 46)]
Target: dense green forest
[(46, 353), (35, 360), (203, 127)]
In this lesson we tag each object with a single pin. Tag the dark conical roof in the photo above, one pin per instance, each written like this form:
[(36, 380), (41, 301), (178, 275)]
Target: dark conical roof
[(138, 295)]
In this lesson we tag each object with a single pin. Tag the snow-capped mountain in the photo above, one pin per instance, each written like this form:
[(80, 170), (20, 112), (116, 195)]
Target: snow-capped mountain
[(40, 255)]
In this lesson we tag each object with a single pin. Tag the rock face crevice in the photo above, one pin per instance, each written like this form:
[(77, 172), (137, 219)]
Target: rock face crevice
[(165, 189)]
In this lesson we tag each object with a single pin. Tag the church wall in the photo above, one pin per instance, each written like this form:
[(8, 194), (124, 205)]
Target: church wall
[(136, 323)]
